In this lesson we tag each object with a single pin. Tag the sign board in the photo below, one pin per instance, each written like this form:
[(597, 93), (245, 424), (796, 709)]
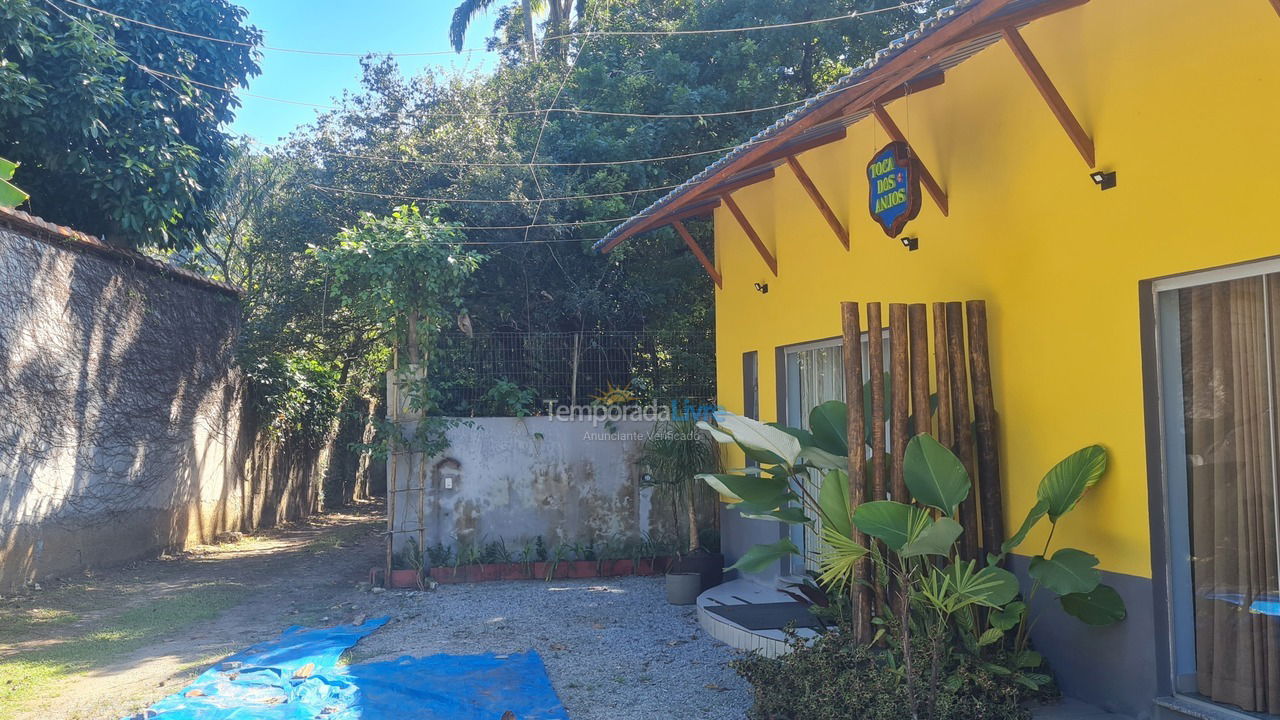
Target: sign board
[(894, 185)]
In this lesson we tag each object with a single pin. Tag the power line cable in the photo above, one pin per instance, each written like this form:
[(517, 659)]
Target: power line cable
[(590, 163), (416, 198), (502, 113), (506, 46)]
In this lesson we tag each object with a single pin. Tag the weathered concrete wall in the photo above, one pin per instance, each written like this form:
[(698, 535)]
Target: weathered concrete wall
[(124, 427), (518, 478)]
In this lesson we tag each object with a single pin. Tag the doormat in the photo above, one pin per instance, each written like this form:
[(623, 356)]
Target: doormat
[(298, 676), (767, 616)]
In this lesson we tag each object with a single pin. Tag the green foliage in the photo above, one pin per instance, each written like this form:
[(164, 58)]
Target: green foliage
[(833, 678), (675, 454), (107, 147), (506, 399), (961, 611), (10, 196), (296, 396)]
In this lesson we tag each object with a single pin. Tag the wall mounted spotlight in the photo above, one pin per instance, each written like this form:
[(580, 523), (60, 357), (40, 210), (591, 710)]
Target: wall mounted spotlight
[(910, 243), (762, 288), (1104, 180)]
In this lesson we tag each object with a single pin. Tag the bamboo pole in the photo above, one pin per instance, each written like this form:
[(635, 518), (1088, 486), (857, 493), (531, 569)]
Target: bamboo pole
[(875, 357), (990, 496), (942, 374), (855, 436), (899, 403), (961, 425), (918, 318)]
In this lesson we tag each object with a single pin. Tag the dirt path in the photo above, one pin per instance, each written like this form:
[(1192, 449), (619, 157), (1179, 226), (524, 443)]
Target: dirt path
[(109, 645)]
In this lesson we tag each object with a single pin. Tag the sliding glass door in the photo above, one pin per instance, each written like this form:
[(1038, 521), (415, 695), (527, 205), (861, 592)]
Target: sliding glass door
[(1219, 336)]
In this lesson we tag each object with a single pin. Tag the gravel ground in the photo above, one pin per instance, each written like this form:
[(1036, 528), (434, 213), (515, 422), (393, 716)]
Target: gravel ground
[(615, 650)]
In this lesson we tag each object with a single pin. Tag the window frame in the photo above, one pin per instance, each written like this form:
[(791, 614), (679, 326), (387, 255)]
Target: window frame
[(1159, 400)]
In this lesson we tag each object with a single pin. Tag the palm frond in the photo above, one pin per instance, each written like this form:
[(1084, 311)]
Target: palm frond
[(466, 11)]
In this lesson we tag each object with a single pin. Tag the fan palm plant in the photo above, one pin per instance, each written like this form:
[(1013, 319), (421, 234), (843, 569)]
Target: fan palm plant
[(675, 454)]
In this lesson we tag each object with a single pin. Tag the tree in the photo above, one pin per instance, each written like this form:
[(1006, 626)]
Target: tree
[(469, 9), (114, 130)]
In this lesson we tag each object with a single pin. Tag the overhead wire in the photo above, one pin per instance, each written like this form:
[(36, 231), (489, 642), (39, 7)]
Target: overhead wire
[(505, 46)]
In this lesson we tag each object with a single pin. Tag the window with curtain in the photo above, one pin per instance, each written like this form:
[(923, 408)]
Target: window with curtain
[(1220, 346), (814, 375)]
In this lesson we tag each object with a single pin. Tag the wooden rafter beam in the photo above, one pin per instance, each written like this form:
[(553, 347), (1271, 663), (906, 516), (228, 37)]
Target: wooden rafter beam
[(915, 60), (697, 252), (842, 233), (1051, 96), (769, 258), (926, 178), (703, 208), (915, 85)]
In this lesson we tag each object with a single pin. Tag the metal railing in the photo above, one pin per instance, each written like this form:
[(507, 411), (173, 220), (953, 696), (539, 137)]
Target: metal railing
[(502, 373)]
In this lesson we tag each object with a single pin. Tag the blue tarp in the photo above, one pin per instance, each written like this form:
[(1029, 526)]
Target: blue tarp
[(297, 677)]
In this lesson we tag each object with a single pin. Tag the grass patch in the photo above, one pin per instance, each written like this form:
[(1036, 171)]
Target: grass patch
[(30, 674), (19, 624), (339, 538)]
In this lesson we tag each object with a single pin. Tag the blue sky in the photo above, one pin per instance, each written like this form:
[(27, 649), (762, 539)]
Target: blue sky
[(344, 26)]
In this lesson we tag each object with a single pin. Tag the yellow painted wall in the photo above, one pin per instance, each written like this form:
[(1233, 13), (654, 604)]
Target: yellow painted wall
[(1182, 98)]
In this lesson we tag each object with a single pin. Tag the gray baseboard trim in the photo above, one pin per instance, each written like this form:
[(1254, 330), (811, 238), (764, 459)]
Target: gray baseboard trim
[(1185, 708)]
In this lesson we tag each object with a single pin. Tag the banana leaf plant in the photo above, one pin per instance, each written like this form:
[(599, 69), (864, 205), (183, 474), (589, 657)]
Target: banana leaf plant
[(10, 196), (938, 594)]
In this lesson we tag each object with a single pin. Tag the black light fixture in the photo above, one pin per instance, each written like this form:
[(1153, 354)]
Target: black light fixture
[(762, 288), (1103, 179), (910, 243)]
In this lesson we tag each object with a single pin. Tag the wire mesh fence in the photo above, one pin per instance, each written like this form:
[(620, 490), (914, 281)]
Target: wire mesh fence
[(517, 373)]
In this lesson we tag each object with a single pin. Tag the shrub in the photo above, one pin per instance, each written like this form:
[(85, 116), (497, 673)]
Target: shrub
[(833, 678)]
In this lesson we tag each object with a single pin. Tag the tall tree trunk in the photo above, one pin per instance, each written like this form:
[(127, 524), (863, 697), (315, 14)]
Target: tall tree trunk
[(526, 6)]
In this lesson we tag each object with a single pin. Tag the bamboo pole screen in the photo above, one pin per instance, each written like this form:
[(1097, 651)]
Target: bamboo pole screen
[(955, 403)]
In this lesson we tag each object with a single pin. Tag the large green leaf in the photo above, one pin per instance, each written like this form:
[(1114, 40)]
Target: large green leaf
[(761, 557), (936, 539), (1068, 571), (823, 460), (934, 475), (790, 515), (6, 169), (894, 523), (11, 196), (828, 422), (760, 490), (1064, 485), (716, 434), (833, 501), (754, 436), (804, 436), (1009, 616), (1033, 516), (1102, 606)]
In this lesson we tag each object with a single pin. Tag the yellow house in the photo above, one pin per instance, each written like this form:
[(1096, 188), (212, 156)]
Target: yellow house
[(1105, 175)]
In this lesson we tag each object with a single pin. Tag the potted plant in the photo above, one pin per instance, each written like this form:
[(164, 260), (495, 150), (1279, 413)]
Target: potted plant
[(676, 452)]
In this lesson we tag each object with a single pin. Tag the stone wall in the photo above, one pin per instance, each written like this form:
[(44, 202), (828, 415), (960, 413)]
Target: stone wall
[(125, 427), (515, 479)]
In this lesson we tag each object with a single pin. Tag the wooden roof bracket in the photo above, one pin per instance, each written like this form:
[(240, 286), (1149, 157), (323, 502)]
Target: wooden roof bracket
[(926, 178), (842, 233), (697, 252), (769, 258), (1051, 96)]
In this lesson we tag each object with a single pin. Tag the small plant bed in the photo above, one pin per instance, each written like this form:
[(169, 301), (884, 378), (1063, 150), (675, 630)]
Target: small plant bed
[(574, 569), (535, 560)]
